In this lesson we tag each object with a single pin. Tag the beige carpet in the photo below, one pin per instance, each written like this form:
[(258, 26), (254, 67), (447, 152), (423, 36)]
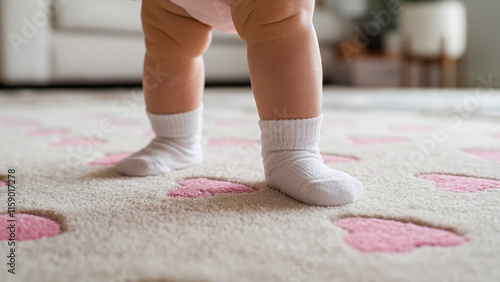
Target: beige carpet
[(431, 209)]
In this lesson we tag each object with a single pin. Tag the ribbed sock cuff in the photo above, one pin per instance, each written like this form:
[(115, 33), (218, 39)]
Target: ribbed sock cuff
[(291, 134), (178, 125)]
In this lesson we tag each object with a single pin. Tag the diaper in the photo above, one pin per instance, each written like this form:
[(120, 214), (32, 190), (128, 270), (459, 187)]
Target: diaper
[(215, 13)]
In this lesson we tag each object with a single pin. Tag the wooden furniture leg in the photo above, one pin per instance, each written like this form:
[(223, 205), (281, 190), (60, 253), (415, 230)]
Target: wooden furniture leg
[(462, 72)]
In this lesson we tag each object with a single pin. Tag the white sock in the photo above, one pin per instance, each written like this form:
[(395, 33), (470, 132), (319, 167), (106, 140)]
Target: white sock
[(177, 145), (294, 166)]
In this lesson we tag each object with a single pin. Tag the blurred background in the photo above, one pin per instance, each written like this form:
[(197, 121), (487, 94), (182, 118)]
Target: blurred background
[(364, 43)]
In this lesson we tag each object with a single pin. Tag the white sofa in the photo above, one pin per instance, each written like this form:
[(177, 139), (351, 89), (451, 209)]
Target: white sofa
[(48, 42)]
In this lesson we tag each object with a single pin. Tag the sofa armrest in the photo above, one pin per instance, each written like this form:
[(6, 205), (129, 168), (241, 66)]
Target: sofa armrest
[(25, 41)]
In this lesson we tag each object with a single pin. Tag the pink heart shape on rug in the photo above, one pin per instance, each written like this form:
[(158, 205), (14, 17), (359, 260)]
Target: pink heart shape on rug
[(112, 159), (203, 187), (495, 135), (76, 142), (460, 184), (330, 158), (410, 127), (28, 227), (367, 140), (485, 154), (2, 184), (232, 142), (378, 235), (46, 131)]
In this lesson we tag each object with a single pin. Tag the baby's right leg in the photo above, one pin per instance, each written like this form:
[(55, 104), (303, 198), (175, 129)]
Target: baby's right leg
[(173, 82)]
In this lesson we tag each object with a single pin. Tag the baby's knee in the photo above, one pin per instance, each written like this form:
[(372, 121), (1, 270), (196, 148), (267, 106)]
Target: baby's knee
[(264, 20), (168, 32)]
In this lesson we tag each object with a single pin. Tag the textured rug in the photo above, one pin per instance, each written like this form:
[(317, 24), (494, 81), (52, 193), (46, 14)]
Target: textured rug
[(430, 212)]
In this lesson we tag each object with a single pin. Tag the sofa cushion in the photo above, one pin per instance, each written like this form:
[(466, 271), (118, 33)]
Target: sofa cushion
[(124, 15), (328, 26), (100, 15)]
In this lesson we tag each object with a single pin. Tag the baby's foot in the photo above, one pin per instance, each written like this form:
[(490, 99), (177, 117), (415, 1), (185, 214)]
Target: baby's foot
[(177, 145), (294, 166), (162, 155)]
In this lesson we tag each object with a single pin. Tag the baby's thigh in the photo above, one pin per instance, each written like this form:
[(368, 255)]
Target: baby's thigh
[(168, 27)]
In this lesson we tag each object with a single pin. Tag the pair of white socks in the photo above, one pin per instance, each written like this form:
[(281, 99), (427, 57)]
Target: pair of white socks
[(290, 151)]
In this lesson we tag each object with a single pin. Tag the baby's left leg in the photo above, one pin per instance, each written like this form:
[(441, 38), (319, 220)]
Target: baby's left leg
[(285, 69)]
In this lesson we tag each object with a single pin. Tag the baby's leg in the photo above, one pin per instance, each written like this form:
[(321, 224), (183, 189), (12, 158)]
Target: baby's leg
[(173, 82), (286, 74), (175, 43)]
